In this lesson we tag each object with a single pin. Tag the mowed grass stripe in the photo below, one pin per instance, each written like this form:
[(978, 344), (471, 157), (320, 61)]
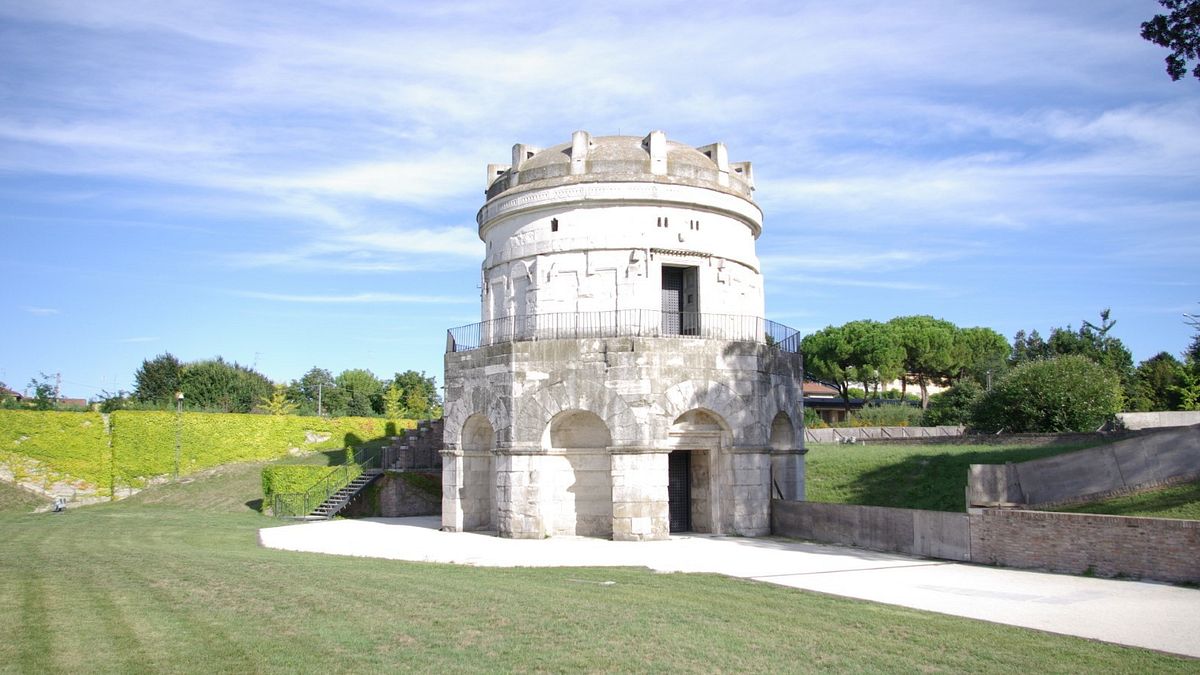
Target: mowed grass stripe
[(193, 592)]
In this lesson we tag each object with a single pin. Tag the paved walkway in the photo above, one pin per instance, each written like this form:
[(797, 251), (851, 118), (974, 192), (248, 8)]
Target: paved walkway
[(1140, 614)]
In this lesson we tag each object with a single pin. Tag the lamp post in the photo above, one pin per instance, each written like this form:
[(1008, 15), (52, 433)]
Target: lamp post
[(178, 429)]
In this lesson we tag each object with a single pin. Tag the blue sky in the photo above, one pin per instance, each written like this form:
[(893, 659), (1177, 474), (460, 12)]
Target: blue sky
[(290, 184)]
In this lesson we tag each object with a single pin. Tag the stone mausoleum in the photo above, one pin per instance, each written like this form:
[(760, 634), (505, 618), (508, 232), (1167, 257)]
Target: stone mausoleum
[(623, 381)]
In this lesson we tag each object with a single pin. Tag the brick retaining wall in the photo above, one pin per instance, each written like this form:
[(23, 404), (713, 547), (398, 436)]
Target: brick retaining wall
[(1149, 548), (1153, 548)]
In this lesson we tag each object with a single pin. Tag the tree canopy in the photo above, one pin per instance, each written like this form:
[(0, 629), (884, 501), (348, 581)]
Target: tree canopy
[(158, 379), (931, 351), (858, 351), (1178, 31)]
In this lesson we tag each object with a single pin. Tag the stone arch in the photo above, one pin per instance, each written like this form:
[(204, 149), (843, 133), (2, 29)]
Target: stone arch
[(538, 407), (576, 429), (783, 433), (717, 398), (476, 402), (475, 484), (575, 475)]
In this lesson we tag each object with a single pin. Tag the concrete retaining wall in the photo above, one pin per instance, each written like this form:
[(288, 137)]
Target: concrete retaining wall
[(933, 534), (1127, 465), (1149, 548), (835, 434), (1150, 420)]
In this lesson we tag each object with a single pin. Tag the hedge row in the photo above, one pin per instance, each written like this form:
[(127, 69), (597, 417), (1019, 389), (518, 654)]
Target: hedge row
[(67, 443), (141, 444), (291, 481)]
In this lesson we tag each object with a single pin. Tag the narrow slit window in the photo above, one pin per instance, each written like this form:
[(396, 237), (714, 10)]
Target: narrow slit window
[(554, 224)]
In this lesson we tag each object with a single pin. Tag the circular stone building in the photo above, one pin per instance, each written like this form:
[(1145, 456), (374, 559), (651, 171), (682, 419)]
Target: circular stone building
[(623, 381)]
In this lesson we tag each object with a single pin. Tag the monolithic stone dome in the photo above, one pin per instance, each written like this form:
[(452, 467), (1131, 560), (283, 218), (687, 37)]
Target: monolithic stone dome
[(589, 159)]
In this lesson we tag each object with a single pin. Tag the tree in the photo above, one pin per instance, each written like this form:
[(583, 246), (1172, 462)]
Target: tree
[(953, 406), (1028, 348), (1066, 393), (1178, 31), (418, 394), (983, 353), (45, 393), (391, 403), (158, 379), (859, 351), (360, 393), (314, 391), (220, 385), (278, 403), (1157, 384), (931, 355)]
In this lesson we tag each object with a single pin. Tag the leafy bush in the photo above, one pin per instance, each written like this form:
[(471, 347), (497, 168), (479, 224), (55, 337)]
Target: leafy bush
[(1068, 393), (953, 406), (812, 419), (884, 416)]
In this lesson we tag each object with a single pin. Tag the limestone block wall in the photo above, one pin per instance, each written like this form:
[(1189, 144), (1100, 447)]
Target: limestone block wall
[(736, 403)]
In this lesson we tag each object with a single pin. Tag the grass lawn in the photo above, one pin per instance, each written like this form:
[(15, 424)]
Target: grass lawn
[(930, 477), (1176, 501), (173, 580)]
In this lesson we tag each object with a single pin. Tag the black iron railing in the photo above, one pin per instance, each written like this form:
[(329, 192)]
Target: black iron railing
[(623, 323), (300, 504)]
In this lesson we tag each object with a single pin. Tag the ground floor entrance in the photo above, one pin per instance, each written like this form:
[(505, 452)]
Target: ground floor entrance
[(679, 490)]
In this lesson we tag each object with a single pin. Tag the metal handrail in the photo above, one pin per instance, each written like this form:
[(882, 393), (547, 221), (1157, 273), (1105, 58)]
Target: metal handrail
[(623, 323), (300, 504)]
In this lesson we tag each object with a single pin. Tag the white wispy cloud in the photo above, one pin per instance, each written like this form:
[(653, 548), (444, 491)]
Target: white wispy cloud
[(357, 298), (41, 311)]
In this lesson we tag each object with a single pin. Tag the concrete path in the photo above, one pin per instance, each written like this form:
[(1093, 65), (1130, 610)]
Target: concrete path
[(1140, 614)]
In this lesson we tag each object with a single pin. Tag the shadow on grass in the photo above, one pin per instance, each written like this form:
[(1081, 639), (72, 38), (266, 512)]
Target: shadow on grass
[(937, 481), (1182, 498)]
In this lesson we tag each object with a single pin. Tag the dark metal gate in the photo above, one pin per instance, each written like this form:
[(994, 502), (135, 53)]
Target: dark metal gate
[(672, 299), (679, 490)]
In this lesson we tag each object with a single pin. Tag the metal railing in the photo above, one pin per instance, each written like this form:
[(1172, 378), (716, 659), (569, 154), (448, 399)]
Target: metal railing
[(623, 323), (300, 504)]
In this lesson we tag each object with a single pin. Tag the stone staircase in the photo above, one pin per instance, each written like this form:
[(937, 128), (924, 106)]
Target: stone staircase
[(418, 448), (338, 500)]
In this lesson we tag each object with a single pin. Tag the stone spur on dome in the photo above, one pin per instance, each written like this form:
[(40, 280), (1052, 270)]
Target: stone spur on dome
[(623, 381)]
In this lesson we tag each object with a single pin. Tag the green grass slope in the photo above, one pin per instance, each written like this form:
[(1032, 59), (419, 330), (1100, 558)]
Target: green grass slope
[(16, 500), (932, 477), (174, 580), (1176, 501)]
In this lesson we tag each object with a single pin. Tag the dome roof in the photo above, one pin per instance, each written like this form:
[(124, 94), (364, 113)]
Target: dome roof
[(620, 159)]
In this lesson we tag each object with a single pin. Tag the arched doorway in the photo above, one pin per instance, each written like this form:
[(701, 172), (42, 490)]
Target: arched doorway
[(697, 474)]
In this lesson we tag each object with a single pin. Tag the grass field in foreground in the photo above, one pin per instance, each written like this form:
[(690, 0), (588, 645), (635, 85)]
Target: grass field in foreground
[(173, 580), (930, 477), (1176, 501)]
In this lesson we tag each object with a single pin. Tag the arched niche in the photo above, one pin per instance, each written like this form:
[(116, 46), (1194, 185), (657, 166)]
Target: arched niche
[(783, 435), (478, 482), (576, 475), (577, 429)]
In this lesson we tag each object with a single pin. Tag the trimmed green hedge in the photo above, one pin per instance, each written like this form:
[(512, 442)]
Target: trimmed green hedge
[(141, 444), (68, 443), (292, 481)]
